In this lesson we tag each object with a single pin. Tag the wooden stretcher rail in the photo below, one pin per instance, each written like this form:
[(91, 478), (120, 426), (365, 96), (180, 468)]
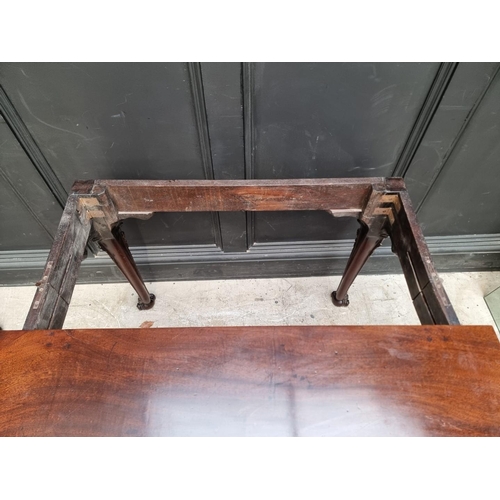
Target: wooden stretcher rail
[(252, 381), (223, 196), (96, 208)]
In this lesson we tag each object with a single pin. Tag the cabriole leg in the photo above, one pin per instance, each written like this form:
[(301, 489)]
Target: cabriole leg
[(367, 240), (117, 248)]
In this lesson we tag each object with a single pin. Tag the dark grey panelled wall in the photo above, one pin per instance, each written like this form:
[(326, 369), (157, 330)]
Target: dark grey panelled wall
[(435, 124), (330, 120)]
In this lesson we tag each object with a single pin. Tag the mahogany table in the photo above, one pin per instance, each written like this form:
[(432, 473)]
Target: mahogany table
[(95, 210), (436, 379), (251, 381)]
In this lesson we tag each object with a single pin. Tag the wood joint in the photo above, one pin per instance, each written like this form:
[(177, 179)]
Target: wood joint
[(90, 208), (386, 212)]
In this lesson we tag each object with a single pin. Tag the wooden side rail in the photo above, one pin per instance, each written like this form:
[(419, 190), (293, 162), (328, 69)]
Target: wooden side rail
[(96, 209)]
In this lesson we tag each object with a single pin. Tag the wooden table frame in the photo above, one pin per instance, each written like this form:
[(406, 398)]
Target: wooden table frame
[(95, 209)]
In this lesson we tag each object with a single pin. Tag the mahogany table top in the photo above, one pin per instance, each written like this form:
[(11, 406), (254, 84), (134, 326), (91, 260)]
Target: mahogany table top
[(251, 381)]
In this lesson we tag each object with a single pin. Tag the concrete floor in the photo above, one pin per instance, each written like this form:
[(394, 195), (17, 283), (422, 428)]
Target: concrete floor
[(291, 301)]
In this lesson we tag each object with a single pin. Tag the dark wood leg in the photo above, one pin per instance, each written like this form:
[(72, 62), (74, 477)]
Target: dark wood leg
[(427, 292), (117, 248), (52, 298), (368, 239)]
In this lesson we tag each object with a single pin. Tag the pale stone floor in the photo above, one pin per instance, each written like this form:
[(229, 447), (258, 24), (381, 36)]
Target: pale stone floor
[(375, 300)]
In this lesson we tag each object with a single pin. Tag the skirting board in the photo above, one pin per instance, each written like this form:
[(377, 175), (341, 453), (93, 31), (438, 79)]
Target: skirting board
[(263, 260)]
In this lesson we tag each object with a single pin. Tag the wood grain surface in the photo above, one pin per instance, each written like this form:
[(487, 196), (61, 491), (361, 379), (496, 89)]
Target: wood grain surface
[(142, 196), (251, 381), (55, 289)]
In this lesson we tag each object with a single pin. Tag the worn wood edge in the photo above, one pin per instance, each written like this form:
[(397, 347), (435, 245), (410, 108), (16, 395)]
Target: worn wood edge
[(141, 198), (233, 196), (54, 290), (410, 245), (368, 330), (328, 181)]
